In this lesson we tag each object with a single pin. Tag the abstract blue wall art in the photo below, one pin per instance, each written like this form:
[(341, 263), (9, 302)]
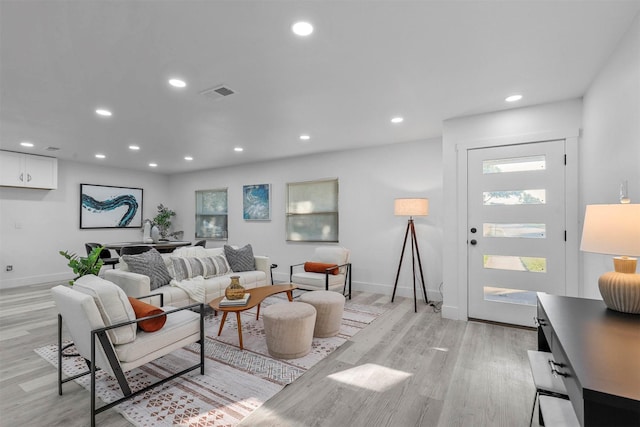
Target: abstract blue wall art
[(256, 204), (103, 206)]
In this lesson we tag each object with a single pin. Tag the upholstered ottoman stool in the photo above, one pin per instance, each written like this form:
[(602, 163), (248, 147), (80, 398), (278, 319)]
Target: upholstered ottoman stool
[(329, 306), (288, 327)]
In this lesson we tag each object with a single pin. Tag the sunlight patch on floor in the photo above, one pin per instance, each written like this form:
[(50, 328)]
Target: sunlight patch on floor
[(371, 377)]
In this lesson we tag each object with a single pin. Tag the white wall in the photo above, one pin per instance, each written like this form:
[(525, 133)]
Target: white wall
[(369, 180), (561, 119), (611, 141), (36, 224)]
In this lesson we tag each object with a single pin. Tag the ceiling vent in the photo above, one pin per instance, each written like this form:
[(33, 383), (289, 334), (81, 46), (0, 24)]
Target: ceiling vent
[(52, 148), (217, 92)]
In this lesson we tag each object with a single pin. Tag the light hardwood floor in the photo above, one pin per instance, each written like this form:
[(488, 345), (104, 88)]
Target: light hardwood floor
[(405, 369)]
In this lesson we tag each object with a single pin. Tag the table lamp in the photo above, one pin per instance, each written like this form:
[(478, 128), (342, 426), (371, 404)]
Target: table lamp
[(411, 208), (615, 230)]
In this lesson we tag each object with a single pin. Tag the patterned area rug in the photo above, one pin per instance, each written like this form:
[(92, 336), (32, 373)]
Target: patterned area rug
[(236, 382)]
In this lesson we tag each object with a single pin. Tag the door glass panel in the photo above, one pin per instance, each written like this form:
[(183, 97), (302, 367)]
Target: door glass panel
[(518, 164), (514, 197), (515, 263), (528, 231), (510, 296)]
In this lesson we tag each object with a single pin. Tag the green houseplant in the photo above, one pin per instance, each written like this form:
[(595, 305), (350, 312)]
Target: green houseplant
[(82, 266), (163, 220)]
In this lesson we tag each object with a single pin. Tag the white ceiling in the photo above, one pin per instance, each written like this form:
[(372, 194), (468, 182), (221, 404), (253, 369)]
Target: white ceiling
[(366, 62)]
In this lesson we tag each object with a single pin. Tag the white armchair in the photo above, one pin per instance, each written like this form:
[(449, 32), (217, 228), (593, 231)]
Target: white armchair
[(325, 277), (103, 327)]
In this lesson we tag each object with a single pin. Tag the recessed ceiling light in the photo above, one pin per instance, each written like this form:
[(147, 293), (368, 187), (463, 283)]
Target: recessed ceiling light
[(26, 144), (188, 158), (513, 98), (238, 149), (134, 147), (103, 112), (177, 83), (397, 120), (305, 137), (100, 156), (153, 165), (302, 28)]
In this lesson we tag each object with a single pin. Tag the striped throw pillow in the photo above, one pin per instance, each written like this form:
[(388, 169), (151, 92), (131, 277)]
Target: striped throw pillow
[(188, 267)]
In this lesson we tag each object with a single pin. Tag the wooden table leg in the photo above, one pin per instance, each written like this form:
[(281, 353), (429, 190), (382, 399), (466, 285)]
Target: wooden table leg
[(290, 295), (224, 317), (239, 329), (258, 313)]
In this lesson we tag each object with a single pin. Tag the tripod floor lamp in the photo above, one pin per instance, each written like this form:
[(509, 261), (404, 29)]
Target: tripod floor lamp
[(411, 208)]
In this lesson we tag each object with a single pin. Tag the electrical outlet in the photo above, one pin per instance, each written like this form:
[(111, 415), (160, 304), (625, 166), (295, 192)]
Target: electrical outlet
[(9, 267)]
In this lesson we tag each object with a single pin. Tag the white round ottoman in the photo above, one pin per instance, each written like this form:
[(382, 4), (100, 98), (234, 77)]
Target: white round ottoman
[(288, 327), (329, 307)]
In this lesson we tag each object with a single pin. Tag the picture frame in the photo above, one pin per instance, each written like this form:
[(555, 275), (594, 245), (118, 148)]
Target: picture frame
[(106, 206), (256, 202)]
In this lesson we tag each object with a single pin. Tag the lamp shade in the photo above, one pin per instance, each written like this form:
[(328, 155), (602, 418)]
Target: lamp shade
[(411, 207), (612, 229)]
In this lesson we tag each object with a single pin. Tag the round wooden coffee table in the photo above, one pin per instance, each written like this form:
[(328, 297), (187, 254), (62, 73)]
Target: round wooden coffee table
[(257, 296)]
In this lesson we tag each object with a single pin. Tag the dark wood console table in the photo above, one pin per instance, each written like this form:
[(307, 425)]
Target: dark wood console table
[(597, 351), (163, 247)]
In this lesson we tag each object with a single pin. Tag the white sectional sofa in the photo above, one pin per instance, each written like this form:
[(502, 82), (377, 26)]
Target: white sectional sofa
[(174, 293)]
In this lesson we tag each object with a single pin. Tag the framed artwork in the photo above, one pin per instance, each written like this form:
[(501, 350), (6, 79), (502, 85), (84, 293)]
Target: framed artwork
[(256, 202), (104, 206)]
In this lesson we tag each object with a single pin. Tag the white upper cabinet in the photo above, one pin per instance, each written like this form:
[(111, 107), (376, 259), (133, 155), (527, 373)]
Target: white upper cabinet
[(26, 170)]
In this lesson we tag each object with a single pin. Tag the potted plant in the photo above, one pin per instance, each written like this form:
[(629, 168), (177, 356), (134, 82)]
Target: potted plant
[(163, 221), (82, 266)]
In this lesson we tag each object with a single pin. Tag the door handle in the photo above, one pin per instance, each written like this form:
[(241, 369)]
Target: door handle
[(473, 229), (473, 242)]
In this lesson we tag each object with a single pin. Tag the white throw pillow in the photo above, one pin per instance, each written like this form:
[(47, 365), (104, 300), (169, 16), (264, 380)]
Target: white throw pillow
[(190, 251), (113, 304)]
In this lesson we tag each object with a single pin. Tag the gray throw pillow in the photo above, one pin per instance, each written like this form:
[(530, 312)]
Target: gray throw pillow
[(150, 264), (240, 259)]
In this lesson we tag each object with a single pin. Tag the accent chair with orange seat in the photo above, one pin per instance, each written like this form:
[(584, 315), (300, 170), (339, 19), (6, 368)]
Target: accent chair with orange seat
[(328, 269)]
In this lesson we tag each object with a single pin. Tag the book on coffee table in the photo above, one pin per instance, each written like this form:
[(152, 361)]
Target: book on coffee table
[(235, 302)]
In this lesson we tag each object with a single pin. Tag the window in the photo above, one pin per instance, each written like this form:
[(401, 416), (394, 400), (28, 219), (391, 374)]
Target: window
[(211, 214), (519, 164), (514, 197), (527, 231), (312, 211)]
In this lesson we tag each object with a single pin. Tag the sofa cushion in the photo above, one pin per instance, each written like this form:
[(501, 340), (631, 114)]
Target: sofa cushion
[(150, 264), (188, 267), (240, 259), (142, 309), (113, 305), (179, 325), (190, 251)]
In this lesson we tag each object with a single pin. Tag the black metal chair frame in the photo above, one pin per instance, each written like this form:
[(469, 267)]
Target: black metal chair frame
[(134, 249), (327, 272), (105, 342), (105, 254), (271, 267)]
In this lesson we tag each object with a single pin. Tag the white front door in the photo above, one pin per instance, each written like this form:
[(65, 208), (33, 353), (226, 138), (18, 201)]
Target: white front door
[(516, 229)]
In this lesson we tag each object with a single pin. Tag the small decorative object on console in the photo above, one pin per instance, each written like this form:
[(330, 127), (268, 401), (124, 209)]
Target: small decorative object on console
[(234, 291)]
